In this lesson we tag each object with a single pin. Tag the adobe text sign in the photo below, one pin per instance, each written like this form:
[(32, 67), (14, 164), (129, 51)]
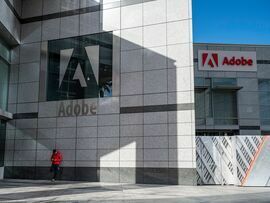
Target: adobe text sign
[(227, 60)]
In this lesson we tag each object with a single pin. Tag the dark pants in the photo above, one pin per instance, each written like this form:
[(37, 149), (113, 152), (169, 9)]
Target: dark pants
[(55, 169)]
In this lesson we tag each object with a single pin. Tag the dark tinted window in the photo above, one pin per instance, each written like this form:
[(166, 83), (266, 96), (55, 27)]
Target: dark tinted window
[(80, 67), (264, 95), (214, 105)]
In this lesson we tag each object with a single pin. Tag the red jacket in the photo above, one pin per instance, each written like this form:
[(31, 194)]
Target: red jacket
[(56, 158)]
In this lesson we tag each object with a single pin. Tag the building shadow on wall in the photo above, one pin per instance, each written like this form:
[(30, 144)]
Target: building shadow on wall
[(149, 131), (153, 119)]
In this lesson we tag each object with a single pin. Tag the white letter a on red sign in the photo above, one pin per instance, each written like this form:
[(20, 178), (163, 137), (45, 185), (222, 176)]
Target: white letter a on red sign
[(210, 60)]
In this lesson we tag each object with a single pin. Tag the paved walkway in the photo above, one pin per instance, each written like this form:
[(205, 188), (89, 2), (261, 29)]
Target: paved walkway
[(45, 191)]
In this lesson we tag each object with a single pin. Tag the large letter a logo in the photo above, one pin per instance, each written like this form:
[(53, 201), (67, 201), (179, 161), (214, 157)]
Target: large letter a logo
[(79, 67), (92, 52), (210, 59)]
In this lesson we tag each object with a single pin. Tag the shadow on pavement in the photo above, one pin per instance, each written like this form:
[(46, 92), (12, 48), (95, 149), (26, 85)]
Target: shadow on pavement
[(55, 192)]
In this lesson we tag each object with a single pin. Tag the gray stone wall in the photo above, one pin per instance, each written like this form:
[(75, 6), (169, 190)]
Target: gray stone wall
[(10, 26), (145, 133)]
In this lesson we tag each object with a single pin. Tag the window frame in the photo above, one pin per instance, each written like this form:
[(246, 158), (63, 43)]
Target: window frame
[(207, 86)]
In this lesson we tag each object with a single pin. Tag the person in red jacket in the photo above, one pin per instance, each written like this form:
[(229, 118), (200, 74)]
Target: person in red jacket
[(56, 160)]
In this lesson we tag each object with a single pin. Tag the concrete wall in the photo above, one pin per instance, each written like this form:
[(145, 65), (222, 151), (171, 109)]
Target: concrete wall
[(9, 23), (145, 132)]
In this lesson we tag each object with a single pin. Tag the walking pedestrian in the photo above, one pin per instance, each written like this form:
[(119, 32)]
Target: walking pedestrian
[(56, 160)]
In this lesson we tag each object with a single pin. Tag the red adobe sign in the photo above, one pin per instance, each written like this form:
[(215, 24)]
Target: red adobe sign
[(227, 60), (210, 59)]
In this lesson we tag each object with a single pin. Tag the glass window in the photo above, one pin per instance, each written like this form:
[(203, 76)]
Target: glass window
[(264, 95), (264, 85), (200, 107), (203, 105), (224, 82), (80, 67), (217, 104), (4, 70), (2, 142), (264, 98), (4, 52), (199, 81), (4, 75), (225, 107)]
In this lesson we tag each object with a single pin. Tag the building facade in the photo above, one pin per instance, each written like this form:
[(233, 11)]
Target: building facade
[(109, 83), (232, 114), (114, 85), (235, 103)]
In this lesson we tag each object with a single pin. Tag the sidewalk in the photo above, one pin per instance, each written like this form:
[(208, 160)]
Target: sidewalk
[(46, 191)]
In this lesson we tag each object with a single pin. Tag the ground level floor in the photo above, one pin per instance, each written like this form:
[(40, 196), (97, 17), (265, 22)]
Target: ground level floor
[(220, 160), (45, 191)]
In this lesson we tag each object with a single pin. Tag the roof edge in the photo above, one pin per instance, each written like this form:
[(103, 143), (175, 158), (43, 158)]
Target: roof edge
[(228, 44)]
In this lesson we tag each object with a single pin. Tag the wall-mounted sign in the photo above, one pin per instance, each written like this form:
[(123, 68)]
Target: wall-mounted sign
[(77, 108), (227, 60), (80, 67)]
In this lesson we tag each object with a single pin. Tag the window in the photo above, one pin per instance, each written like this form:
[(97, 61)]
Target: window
[(214, 133), (2, 142), (264, 95), (80, 67), (225, 107), (4, 75), (203, 103), (216, 101)]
